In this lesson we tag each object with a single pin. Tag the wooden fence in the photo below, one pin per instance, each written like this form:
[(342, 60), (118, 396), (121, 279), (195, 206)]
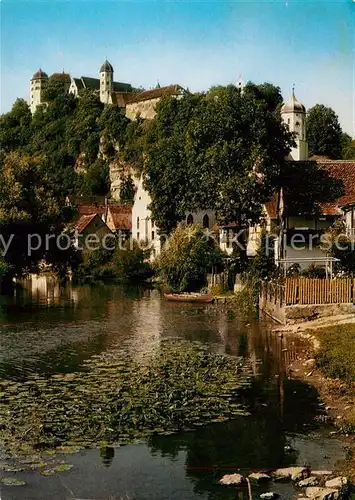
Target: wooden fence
[(319, 291)]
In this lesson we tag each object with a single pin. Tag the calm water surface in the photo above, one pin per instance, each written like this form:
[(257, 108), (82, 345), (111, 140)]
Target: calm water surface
[(48, 329)]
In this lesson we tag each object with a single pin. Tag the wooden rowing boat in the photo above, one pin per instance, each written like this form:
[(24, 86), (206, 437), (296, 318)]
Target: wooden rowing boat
[(189, 297)]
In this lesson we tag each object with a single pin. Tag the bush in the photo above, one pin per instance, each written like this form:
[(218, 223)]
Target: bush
[(131, 263), (262, 267), (314, 272), (186, 259), (124, 264), (336, 356)]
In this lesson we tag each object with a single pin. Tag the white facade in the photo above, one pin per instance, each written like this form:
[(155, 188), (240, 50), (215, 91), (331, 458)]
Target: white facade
[(145, 230), (349, 218), (37, 83), (293, 113), (106, 83)]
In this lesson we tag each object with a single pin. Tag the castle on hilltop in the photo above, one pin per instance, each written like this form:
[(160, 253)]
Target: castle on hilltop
[(132, 101)]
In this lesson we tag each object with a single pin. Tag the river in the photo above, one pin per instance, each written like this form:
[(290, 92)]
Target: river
[(48, 329)]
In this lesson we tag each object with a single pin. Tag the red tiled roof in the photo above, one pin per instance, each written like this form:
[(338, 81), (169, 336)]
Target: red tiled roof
[(121, 98), (343, 170), (156, 93), (84, 221), (65, 77), (90, 208), (339, 169), (121, 216)]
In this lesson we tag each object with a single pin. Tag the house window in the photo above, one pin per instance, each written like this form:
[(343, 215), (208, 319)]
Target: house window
[(288, 121), (153, 235), (206, 222), (137, 223), (190, 219), (137, 236)]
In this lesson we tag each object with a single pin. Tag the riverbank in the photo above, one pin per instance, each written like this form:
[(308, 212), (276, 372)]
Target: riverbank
[(329, 366)]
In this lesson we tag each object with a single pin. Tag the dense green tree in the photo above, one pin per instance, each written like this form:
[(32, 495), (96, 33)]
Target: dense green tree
[(267, 92), (337, 244), (127, 190), (324, 133), (223, 150), (348, 147), (113, 124), (32, 217), (15, 127), (307, 185), (96, 180), (186, 258)]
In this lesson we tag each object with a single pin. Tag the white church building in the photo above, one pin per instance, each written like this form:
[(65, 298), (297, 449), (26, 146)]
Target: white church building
[(293, 113)]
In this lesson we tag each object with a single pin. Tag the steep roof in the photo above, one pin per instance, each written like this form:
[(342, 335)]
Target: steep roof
[(63, 77), (79, 84), (157, 93), (121, 98), (106, 67), (94, 83), (84, 221), (343, 170), (39, 74), (121, 216), (122, 87), (90, 83), (293, 105)]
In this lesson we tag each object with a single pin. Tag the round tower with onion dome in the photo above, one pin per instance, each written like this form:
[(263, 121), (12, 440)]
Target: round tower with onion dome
[(37, 84), (293, 113), (106, 82)]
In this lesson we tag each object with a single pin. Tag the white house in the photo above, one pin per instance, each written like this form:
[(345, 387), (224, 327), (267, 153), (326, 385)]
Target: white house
[(145, 230)]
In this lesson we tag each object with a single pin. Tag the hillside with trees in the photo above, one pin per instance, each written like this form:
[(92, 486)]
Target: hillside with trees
[(223, 150)]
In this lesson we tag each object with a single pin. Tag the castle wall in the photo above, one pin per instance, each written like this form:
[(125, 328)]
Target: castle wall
[(146, 109)]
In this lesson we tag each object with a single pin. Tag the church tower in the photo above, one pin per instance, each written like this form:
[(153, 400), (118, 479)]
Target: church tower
[(240, 84), (293, 113), (106, 82), (37, 84)]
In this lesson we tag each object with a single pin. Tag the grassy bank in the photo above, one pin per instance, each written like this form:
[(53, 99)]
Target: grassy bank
[(336, 359), (336, 356)]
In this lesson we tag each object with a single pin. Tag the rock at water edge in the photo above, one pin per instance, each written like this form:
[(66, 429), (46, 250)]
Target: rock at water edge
[(294, 473), (309, 481), (232, 480), (317, 493), (338, 483), (260, 477)]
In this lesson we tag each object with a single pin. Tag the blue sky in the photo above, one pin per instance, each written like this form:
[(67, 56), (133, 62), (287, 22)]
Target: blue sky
[(197, 44)]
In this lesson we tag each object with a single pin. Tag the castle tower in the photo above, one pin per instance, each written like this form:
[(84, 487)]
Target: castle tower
[(106, 82), (293, 113), (38, 81)]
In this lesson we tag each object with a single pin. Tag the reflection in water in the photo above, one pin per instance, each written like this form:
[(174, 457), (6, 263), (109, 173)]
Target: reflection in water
[(107, 454), (47, 328)]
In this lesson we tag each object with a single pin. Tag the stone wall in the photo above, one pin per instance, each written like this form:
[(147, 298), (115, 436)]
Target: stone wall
[(273, 305), (300, 313), (146, 109)]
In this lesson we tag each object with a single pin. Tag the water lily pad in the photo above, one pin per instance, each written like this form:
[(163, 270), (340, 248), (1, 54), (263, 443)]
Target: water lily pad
[(11, 481), (10, 468)]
